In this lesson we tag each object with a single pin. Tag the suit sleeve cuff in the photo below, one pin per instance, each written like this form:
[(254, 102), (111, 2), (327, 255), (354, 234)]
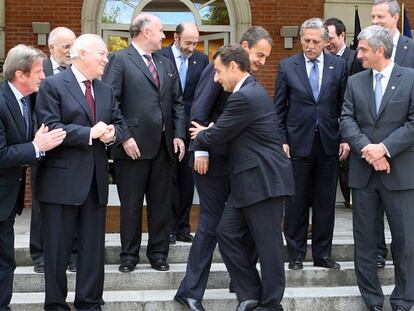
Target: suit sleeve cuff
[(386, 150)]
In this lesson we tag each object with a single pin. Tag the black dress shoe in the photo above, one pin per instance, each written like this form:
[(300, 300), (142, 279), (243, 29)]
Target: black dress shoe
[(399, 308), (248, 305), (328, 263), (295, 265), (185, 238), (39, 267), (160, 265), (375, 308), (172, 239), (380, 262), (127, 266), (190, 303)]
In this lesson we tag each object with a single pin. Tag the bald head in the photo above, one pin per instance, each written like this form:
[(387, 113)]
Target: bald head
[(147, 32), (60, 42), (186, 38)]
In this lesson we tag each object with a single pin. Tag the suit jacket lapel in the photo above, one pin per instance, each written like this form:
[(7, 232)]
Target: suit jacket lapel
[(369, 88), (75, 90), (14, 108), (136, 58), (160, 69), (389, 91), (328, 69), (300, 68), (401, 50)]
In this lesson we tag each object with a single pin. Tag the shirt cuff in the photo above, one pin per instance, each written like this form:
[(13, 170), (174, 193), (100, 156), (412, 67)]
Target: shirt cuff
[(386, 150), (90, 138), (198, 154), (37, 151)]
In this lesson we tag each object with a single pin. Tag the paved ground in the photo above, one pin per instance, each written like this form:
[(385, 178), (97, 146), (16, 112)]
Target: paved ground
[(342, 231)]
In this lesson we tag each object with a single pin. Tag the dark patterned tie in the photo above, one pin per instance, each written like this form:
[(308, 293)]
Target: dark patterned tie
[(152, 69), (26, 115), (90, 100)]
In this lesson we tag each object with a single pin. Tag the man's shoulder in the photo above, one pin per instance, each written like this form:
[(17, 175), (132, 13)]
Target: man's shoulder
[(197, 55), (294, 59)]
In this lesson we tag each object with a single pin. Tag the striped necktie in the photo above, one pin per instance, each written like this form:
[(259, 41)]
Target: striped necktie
[(152, 69), (26, 115)]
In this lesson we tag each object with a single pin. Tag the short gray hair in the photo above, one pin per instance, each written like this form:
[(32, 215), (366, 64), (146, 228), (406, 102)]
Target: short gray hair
[(83, 42), (393, 6), (315, 23), (377, 37), (139, 23), (21, 57)]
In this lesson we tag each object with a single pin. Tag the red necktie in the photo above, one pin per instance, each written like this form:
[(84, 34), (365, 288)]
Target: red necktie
[(89, 99), (152, 69)]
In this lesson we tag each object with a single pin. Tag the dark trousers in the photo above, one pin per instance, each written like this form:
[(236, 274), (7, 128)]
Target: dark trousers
[(7, 263), (182, 197), (213, 192), (59, 225), (260, 223), (318, 172), (36, 242), (400, 214), (382, 245), (152, 178)]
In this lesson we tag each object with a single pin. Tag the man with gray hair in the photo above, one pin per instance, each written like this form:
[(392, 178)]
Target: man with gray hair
[(23, 73), (72, 180), (386, 13), (147, 88), (308, 97), (60, 42), (378, 122)]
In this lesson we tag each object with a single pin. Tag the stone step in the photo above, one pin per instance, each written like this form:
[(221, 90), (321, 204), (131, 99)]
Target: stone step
[(145, 278), (297, 299), (342, 250)]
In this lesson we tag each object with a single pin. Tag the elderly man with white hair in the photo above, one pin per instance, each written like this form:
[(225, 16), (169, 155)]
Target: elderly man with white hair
[(72, 181)]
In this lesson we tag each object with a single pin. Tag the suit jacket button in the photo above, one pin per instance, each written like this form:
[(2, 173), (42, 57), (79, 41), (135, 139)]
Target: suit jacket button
[(20, 179)]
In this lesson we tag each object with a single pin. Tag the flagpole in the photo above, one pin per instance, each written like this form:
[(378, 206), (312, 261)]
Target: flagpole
[(402, 17)]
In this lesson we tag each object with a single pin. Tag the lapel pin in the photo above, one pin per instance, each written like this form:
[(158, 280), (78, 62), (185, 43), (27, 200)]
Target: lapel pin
[(331, 67), (393, 87), (405, 47), (194, 62)]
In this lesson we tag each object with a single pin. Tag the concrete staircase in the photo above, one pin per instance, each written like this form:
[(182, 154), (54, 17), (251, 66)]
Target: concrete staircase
[(146, 289)]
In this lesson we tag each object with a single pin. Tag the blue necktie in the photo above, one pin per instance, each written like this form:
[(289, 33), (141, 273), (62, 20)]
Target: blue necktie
[(182, 72), (378, 90), (26, 115), (314, 78)]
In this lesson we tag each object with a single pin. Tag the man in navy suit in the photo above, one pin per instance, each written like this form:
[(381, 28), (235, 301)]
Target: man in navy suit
[(72, 180), (308, 98), (211, 172), (60, 42), (189, 64), (386, 13), (23, 73), (260, 178)]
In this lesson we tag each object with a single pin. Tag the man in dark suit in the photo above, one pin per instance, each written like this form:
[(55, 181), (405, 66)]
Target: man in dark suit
[(23, 74), (189, 65), (308, 97), (377, 121), (337, 46), (260, 179), (147, 88), (72, 179), (211, 172), (386, 13), (60, 42)]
